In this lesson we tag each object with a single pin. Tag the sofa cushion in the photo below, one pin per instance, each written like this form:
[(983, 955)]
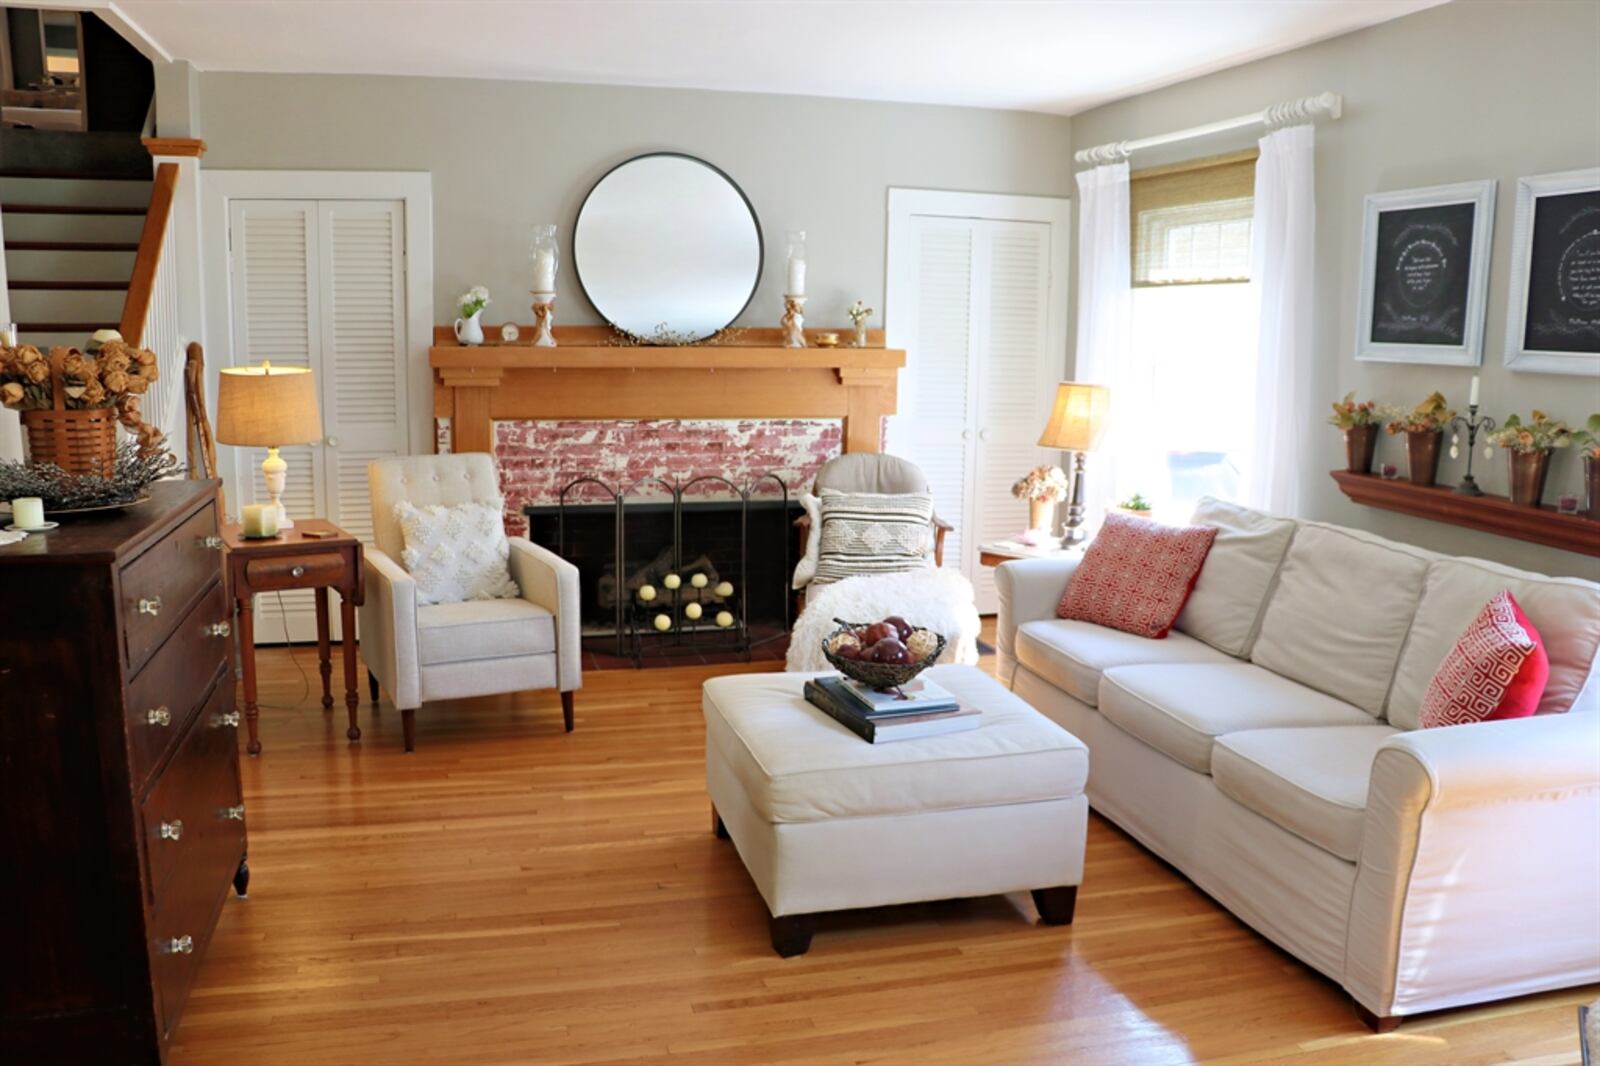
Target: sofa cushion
[(1312, 782), (796, 764), (1565, 610), (1071, 655), (1136, 575), (1497, 669), (483, 629), (1233, 585), (1181, 708), (1339, 615)]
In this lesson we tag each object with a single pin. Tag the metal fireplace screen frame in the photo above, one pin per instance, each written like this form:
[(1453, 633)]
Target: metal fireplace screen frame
[(632, 615)]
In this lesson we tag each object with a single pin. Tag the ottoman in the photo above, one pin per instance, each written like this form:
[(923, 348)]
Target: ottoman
[(825, 821)]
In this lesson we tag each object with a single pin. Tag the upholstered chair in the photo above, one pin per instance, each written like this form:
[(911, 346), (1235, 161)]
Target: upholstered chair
[(476, 648), (877, 473)]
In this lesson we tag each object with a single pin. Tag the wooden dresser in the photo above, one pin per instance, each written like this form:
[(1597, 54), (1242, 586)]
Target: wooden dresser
[(122, 823)]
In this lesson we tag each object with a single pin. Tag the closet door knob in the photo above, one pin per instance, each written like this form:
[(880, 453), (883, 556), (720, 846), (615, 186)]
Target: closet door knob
[(966, 434), (333, 442), (983, 434), (172, 830)]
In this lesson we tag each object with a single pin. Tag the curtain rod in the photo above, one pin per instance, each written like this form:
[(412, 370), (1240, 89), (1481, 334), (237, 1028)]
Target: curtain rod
[(1302, 110)]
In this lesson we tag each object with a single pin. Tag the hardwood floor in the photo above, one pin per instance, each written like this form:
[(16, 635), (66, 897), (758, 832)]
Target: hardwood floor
[(512, 894)]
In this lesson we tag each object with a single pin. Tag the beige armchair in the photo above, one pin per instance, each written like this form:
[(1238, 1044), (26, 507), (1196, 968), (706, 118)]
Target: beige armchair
[(456, 650)]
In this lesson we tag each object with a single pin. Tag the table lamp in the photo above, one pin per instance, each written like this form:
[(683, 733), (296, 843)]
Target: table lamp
[(268, 407), (1077, 424)]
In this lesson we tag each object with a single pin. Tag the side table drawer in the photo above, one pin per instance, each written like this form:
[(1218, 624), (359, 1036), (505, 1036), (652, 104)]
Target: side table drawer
[(295, 571), (163, 696)]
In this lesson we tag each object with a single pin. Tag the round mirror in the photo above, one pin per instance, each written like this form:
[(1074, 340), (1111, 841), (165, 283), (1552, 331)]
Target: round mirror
[(667, 248)]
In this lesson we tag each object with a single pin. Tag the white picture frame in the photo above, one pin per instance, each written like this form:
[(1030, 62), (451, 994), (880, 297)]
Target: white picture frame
[(1425, 332), (1521, 354)]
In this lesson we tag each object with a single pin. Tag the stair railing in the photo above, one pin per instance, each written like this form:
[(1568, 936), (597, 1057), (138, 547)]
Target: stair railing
[(150, 314)]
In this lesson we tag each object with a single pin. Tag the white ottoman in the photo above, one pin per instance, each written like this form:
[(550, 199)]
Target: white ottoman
[(825, 821)]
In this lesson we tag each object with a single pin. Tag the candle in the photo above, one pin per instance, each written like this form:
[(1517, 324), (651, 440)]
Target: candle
[(27, 512), (797, 277), (1472, 397), (260, 520), (8, 335), (544, 270)]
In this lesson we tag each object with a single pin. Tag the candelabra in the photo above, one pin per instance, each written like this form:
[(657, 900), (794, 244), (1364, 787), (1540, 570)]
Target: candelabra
[(1472, 423)]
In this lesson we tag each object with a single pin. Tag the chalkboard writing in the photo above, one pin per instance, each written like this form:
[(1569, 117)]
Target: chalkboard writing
[(1564, 274), (1419, 286)]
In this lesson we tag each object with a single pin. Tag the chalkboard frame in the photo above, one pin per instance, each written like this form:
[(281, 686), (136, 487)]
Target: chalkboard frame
[(1518, 356), (1481, 195)]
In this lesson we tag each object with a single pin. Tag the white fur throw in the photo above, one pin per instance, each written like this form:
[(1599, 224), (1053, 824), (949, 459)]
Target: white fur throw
[(940, 600)]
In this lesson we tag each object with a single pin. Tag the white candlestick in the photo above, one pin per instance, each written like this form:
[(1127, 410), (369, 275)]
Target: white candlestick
[(27, 512), (544, 271), (797, 278), (1472, 397)]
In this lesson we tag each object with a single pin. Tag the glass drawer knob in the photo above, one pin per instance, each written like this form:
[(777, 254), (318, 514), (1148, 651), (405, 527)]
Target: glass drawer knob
[(212, 541), (218, 629), (180, 945), (172, 830), (298, 571), (235, 814), (160, 716), (151, 606), (227, 719)]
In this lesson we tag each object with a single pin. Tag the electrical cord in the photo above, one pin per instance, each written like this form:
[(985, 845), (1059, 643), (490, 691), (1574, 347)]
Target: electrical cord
[(305, 681)]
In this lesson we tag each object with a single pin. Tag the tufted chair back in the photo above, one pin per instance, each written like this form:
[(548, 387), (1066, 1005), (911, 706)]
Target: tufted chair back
[(870, 472), (426, 480)]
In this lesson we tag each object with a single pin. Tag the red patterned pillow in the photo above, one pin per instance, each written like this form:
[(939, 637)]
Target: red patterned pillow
[(1136, 575), (1497, 669)]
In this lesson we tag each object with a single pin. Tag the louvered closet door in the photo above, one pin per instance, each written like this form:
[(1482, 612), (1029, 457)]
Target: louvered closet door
[(933, 429), (1015, 384)]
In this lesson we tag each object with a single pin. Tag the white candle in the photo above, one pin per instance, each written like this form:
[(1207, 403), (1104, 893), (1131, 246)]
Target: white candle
[(797, 277), (27, 512), (259, 520), (1472, 397), (544, 271)]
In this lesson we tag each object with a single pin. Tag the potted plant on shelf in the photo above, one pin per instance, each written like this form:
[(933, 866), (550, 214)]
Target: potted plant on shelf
[(1587, 441), (1423, 426), (1136, 506), (1528, 446), (1360, 424), (1043, 487)]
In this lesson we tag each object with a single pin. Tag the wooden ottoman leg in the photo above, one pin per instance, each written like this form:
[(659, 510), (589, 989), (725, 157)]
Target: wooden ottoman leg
[(1056, 904), (791, 934), (717, 827)]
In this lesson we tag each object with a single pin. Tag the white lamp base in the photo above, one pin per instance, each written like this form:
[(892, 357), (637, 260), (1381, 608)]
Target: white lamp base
[(275, 473)]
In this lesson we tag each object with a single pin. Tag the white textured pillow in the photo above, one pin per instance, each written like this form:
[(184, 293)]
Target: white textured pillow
[(806, 568), (456, 553), (873, 533)]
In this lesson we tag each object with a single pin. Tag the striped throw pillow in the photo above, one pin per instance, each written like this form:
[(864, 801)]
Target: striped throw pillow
[(873, 533)]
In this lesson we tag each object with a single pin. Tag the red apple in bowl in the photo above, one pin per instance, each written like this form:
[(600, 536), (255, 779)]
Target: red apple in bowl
[(848, 651), (878, 631), (890, 650), (902, 627)]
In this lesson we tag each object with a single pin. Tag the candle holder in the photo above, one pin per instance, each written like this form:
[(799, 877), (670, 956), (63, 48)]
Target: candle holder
[(544, 317), (1472, 423), (793, 323)]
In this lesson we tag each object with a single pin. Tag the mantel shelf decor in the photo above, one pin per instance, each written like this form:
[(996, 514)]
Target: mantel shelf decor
[(587, 376), (1487, 514)]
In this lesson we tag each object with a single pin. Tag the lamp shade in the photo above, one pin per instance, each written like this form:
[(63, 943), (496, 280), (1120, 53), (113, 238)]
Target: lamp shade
[(1078, 422), (267, 406)]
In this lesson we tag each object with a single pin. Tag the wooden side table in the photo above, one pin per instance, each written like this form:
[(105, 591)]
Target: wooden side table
[(293, 560), (1004, 551)]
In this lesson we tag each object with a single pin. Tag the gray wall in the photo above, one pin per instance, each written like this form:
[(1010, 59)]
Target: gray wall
[(506, 154), (1474, 89)]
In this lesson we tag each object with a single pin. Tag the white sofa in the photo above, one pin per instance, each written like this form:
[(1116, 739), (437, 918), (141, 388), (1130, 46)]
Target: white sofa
[(1269, 749)]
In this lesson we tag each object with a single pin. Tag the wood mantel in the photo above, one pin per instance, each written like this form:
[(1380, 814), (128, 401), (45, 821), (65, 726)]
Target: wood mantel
[(585, 378)]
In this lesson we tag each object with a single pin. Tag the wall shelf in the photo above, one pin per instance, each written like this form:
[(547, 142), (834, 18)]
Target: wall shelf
[(1487, 514)]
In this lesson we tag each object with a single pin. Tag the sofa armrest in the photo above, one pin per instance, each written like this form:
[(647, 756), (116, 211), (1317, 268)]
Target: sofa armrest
[(551, 582), (389, 628), (1029, 590), (1479, 876)]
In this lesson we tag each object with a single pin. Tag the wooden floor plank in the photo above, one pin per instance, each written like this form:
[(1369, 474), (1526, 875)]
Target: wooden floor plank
[(512, 894)]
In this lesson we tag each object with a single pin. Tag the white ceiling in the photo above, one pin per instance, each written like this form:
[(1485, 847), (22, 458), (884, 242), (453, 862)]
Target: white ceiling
[(1059, 57)]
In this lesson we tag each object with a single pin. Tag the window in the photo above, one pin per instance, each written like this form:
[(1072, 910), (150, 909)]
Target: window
[(1194, 330)]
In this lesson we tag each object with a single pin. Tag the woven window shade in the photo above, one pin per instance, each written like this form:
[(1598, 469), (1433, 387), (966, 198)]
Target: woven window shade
[(1191, 221)]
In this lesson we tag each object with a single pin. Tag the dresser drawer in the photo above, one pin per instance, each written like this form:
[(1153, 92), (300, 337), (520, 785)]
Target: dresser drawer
[(295, 571), (192, 798), (158, 585), (164, 695)]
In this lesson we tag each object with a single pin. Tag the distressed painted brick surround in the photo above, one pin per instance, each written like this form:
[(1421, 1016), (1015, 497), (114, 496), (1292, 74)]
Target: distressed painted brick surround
[(537, 458)]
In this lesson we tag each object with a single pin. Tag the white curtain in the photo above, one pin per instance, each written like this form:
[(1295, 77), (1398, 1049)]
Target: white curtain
[(1281, 264), (1105, 320)]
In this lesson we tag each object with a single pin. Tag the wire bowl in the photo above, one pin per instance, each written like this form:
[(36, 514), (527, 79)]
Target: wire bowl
[(881, 676)]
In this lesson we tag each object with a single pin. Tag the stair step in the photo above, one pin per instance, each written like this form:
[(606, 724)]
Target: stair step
[(85, 328), (72, 246), (67, 209), (69, 286), (84, 192)]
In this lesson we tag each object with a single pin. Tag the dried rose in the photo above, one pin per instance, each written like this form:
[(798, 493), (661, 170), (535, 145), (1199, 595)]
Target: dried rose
[(114, 361), (137, 385), (144, 357), (76, 366), (115, 380), (28, 355), (10, 394), (94, 395), (38, 373)]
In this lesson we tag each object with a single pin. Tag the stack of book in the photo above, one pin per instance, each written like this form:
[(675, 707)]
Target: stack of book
[(920, 709)]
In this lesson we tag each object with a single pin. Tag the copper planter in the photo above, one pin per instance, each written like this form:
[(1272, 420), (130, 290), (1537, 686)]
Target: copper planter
[(1591, 485), (1528, 473), (1359, 444), (1422, 456)]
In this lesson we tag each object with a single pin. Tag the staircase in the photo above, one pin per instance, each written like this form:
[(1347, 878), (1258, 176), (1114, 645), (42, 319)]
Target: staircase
[(70, 244)]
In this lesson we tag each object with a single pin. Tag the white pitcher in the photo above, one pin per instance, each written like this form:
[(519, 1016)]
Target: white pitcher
[(468, 330)]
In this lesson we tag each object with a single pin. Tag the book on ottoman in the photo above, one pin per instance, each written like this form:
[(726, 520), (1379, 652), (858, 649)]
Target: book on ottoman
[(917, 696), (881, 729)]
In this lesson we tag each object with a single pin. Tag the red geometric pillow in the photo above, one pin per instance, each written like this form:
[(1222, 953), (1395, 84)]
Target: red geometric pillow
[(1136, 575), (1497, 669)]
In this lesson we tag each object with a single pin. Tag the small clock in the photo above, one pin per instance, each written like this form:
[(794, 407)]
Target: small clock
[(509, 332)]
